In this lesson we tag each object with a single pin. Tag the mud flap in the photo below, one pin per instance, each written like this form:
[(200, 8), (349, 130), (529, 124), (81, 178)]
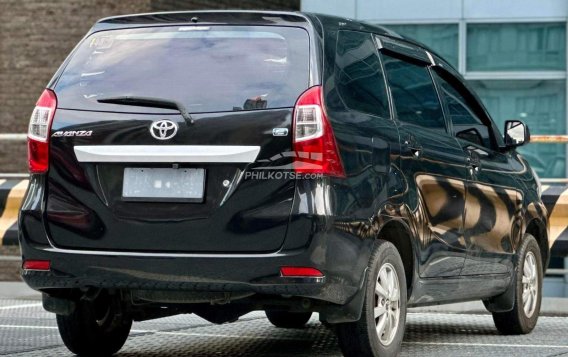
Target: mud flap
[(335, 314), (57, 305), (505, 301)]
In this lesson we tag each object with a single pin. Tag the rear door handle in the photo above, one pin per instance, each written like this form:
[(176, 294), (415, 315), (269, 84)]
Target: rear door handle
[(413, 146), (473, 162), (416, 151), (473, 168)]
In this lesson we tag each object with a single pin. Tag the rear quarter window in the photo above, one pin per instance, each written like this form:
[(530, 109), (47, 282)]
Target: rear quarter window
[(206, 68), (360, 80)]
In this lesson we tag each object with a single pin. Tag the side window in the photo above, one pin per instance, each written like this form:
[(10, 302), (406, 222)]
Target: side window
[(414, 94), (360, 80), (466, 124)]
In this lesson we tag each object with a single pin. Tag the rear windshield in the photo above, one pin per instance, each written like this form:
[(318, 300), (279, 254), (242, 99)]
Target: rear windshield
[(205, 68)]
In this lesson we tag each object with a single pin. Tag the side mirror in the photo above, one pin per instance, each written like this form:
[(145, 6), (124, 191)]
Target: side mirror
[(516, 133)]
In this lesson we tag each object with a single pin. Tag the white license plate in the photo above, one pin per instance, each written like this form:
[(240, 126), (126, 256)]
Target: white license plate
[(163, 184)]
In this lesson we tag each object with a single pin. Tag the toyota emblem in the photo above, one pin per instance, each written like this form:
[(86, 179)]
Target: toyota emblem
[(163, 129)]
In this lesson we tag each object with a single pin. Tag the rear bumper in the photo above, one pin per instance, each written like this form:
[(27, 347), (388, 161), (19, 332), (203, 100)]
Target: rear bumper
[(218, 273), (341, 256)]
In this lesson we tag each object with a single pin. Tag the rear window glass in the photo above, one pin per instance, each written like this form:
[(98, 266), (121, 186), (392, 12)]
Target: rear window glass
[(205, 68)]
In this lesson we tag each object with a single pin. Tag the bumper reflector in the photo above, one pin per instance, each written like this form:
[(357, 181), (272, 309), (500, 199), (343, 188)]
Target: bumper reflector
[(44, 265), (300, 272)]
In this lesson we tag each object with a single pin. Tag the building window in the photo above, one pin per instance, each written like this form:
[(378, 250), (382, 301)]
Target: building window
[(541, 105), (516, 47), (442, 38)]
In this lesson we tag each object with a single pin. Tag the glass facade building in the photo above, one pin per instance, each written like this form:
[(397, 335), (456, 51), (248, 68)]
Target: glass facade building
[(533, 55), (513, 54)]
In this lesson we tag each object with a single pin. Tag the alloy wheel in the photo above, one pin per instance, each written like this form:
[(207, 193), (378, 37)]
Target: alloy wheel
[(530, 284), (387, 304)]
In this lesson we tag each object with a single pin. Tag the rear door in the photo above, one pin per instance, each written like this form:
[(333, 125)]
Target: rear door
[(431, 159), (137, 177), (493, 203)]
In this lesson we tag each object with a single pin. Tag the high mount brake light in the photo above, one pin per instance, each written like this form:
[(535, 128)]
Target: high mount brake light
[(314, 142)]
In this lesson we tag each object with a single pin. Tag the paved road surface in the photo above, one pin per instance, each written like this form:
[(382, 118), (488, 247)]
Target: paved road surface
[(26, 330)]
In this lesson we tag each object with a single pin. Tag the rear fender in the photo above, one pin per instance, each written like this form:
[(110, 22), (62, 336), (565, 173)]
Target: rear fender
[(387, 217)]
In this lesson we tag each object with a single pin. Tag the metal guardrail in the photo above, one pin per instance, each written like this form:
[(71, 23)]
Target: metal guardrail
[(11, 195), (557, 272), (550, 139), (12, 137), (554, 181), (14, 176), (10, 258), (555, 198)]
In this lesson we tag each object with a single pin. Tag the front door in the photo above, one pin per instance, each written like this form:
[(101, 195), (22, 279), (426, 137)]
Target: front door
[(492, 215)]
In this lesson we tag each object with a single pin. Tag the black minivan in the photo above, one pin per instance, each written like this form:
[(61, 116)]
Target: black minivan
[(222, 162)]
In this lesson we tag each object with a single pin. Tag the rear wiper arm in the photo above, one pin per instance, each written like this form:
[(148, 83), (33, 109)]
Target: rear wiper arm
[(149, 102)]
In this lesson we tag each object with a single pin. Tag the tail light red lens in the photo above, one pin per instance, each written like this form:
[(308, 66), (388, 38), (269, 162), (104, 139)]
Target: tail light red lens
[(300, 272), (38, 132), (314, 142), (44, 265)]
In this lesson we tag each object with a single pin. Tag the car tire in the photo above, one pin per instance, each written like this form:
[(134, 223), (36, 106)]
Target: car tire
[(528, 292), (93, 330), (284, 319), (380, 329)]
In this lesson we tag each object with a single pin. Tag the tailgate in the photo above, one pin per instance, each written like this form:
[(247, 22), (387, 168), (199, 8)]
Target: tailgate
[(85, 204)]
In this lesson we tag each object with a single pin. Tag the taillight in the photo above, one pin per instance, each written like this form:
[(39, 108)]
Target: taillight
[(38, 132), (314, 142)]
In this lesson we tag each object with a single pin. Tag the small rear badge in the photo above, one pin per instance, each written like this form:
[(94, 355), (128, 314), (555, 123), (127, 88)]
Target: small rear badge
[(72, 133), (280, 132)]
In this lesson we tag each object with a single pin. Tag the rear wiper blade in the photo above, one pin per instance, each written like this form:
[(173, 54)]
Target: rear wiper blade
[(149, 102)]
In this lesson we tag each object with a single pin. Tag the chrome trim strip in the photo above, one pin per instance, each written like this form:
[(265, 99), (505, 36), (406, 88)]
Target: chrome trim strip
[(431, 58), (166, 153), (165, 255), (378, 42)]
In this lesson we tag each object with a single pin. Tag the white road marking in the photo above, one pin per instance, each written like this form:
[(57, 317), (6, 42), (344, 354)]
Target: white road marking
[(449, 313), (480, 344), (19, 306), (196, 334), (157, 332), (30, 327), (410, 312), (215, 335)]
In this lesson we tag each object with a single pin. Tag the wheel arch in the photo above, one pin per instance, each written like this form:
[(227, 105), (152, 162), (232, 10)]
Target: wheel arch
[(398, 233), (537, 229)]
